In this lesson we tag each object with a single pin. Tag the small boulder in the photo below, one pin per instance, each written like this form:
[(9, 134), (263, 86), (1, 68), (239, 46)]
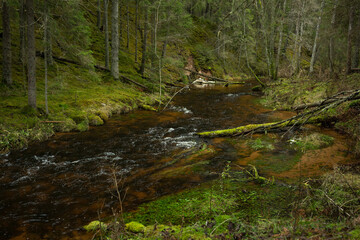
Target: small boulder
[(135, 227)]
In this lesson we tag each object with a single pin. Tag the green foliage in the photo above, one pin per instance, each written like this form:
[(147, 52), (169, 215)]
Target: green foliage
[(260, 144)]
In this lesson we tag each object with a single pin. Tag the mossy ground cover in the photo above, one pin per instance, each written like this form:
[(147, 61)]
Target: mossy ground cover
[(236, 206)]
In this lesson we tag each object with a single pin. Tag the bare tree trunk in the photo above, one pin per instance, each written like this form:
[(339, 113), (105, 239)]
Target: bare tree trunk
[(143, 60), (349, 40), (313, 55), (31, 53), (6, 44), (46, 49), (106, 29), (357, 47), (22, 29), (300, 30), (98, 22), (331, 42), (120, 21), (281, 30), (155, 50), (128, 25), (136, 30), (115, 39), (298, 58)]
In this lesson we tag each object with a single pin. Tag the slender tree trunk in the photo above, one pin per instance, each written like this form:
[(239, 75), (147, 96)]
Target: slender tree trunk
[(115, 39), (120, 22), (357, 47), (98, 22), (155, 50), (300, 30), (331, 41), (22, 29), (136, 30), (349, 40), (46, 49), (31, 51), (6, 44), (128, 25), (313, 55), (106, 29), (281, 30), (143, 60)]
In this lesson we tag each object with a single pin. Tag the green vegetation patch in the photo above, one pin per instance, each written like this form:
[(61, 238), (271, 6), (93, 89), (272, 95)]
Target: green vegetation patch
[(261, 143), (312, 142)]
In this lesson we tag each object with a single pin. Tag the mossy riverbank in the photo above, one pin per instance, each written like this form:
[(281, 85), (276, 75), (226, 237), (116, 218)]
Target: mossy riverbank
[(240, 206)]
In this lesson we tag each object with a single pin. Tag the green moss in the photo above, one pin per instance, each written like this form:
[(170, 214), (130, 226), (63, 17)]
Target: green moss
[(147, 107), (135, 227), (104, 115), (95, 225), (83, 126), (66, 125), (95, 120)]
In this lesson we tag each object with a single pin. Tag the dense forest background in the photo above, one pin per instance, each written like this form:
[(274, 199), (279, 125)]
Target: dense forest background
[(57, 56)]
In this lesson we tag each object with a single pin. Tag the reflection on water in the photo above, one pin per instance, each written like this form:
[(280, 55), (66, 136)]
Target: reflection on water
[(53, 188)]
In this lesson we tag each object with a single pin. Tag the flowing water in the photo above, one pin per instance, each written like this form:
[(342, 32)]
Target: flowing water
[(51, 189)]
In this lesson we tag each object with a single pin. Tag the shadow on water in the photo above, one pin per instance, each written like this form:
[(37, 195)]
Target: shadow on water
[(51, 189)]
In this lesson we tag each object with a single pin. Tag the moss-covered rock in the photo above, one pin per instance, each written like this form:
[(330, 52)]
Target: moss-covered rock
[(135, 227), (95, 225), (95, 120), (104, 115), (83, 126), (66, 126)]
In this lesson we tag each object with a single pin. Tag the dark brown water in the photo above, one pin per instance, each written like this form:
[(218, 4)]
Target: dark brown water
[(51, 189)]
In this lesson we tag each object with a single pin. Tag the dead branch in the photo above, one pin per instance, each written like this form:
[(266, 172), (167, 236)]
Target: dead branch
[(329, 100), (204, 75)]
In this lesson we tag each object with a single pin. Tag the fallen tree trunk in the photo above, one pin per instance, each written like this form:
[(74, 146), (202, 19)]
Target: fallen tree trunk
[(300, 119), (257, 128), (204, 75)]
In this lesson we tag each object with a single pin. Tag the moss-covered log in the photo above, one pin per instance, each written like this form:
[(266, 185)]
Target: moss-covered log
[(261, 128), (318, 115), (244, 129)]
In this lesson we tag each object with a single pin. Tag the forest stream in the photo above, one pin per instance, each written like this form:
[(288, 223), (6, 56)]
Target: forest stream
[(53, 188)]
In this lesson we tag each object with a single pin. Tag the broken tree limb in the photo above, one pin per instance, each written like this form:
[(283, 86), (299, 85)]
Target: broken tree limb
[(329, 100), (64, 60), (300, 119), (204, 75), (136, 83)]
